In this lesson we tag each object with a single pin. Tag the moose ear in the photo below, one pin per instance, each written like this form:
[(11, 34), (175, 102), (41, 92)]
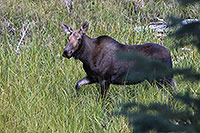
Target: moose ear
[(66, 28), (84, 27)]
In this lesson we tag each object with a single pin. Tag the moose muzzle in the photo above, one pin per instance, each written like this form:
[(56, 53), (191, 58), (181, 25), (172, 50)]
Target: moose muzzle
[(67, 52)]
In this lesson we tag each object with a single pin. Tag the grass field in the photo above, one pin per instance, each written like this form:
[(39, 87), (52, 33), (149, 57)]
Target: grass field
[(37, 85)]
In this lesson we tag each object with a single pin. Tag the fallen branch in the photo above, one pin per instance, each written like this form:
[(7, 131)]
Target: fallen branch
[(23, 35)]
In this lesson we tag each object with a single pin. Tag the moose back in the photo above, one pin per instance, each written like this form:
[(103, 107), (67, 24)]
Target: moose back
[(100, 63)]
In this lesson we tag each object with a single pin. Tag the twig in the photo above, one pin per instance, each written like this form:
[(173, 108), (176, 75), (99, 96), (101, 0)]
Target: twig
[(23, 35)]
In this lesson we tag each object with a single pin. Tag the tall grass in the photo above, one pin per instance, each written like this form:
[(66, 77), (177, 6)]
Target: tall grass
[(37, 84)]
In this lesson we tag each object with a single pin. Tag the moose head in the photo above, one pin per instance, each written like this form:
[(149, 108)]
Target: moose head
[(74, 40)]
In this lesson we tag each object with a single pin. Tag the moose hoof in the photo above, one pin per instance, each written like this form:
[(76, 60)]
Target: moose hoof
[(77, 87)]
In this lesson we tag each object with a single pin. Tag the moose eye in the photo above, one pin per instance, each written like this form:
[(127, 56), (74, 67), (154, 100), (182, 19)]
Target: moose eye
[(79, 40)]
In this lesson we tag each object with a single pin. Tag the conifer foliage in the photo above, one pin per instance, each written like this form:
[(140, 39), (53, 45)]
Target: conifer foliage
[(162, 117)]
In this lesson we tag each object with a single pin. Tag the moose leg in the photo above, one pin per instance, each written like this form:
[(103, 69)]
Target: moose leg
[(169, 83), (83, 81), (104, 88)]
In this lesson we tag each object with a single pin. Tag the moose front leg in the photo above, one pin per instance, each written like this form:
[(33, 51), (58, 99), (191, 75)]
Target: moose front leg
[(104, 88), (83, 81)]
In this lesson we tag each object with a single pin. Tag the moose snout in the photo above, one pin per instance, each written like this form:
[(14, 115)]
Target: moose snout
[(67, 53), (64, 54)]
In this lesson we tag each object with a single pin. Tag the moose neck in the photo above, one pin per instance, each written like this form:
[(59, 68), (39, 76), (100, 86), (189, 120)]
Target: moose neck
[(83, 53)]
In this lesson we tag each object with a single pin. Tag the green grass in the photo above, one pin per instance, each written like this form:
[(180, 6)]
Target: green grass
[(37, 84)]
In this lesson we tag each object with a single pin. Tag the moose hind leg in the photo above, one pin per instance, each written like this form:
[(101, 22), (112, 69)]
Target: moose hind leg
[(83, 81), (167, 82)]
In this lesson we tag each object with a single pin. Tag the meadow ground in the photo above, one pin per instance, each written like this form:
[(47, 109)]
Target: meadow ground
[(37, 84)]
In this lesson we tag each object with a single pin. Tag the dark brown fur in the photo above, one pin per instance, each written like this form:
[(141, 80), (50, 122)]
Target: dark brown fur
[(99, 58)]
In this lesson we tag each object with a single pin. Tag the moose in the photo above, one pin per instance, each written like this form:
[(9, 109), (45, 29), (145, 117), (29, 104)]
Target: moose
[(99, 59)]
